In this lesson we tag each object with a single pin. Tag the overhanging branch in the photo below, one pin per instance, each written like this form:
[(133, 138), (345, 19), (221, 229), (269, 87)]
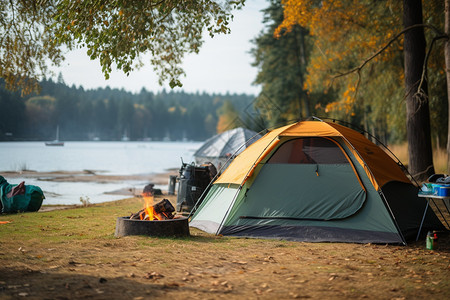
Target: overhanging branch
[(366, 61)]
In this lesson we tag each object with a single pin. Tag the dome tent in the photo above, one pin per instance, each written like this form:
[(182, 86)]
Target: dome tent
[(314, 181), (221, 147)]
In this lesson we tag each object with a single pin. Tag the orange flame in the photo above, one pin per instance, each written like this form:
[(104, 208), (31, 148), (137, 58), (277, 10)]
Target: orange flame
[(149, 212)]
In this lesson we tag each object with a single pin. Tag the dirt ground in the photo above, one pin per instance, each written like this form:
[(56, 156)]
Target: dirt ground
[(73, 254)]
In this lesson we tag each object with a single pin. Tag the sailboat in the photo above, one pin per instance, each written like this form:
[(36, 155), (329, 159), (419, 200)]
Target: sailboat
[(56, 142)]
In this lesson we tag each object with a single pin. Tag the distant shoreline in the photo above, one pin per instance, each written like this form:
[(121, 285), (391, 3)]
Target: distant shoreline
[(88, 176)]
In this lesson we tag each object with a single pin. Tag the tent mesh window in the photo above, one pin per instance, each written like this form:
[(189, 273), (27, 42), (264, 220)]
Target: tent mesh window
[(309, 151)]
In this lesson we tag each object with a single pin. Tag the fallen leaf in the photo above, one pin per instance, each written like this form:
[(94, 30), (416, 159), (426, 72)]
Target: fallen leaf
[(215, 283), (153, 275), (172, 284)]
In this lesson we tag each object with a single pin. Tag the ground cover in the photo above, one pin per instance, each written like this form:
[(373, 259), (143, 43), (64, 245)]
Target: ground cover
[(72, 253)]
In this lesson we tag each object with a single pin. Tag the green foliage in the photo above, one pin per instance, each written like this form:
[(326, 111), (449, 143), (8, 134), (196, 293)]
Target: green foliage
[(116, 33), (282, 66), (26, 45)]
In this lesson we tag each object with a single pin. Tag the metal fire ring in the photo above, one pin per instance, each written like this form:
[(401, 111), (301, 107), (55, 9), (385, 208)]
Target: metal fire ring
[(178, 227)]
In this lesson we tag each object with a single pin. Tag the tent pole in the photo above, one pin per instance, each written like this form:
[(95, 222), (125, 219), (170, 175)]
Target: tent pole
[(229, 209), (392, 216), (241, 185), (380, 192)]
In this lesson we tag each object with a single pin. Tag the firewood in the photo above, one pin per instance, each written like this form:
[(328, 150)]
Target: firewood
[(137, 216), (164, 209)]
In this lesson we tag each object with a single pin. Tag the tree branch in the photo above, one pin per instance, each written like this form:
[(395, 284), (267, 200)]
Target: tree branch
[(365, 62), (425, 63)]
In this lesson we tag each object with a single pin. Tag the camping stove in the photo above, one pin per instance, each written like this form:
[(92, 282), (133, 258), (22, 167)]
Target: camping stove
[(177, 227)]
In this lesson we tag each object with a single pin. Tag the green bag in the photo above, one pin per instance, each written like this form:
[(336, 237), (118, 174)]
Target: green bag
[(19, 198)]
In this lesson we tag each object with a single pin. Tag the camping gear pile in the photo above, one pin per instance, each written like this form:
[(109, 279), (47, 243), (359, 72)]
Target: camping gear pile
[(16, 198), (214, 155), (437, 185), (193, 180), (315, 181)]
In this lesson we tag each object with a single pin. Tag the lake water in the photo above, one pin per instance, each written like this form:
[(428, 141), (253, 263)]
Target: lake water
[(108, 158)]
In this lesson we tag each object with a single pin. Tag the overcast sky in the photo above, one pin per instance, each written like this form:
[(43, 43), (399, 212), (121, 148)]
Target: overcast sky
[(223, 64)]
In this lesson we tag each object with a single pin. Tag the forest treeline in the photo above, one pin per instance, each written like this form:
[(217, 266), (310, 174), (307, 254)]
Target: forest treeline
[(112, 114)]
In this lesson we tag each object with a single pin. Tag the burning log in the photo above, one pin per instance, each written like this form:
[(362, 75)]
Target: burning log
[(162, 210)]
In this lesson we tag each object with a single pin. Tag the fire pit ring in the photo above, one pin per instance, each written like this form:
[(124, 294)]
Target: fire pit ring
[(178, 227)]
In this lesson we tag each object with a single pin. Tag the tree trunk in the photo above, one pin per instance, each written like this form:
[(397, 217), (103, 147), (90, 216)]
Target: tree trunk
[(417, 108), (447, 71), (303, 100)]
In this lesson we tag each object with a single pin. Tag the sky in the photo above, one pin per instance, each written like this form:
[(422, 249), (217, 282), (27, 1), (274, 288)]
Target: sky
[(222, 65)]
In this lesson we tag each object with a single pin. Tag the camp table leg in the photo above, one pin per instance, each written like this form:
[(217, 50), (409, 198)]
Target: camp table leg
[(423, 218)]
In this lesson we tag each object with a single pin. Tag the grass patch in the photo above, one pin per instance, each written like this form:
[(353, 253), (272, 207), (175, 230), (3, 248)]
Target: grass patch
[(439, 157)]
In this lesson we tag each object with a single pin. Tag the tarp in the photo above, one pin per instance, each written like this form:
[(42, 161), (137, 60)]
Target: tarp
[(219, 148), (19, 198)]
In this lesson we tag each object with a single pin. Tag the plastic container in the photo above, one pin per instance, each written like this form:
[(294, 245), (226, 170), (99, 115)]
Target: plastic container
[(444, 191), (426, 189), (435, 189), (430, 239)]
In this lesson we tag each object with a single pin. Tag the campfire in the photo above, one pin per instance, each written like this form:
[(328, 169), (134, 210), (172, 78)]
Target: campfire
[(155, 219), (162, 210)]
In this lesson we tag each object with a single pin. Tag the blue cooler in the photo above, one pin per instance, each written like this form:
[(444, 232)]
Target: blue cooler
[(444, 190)]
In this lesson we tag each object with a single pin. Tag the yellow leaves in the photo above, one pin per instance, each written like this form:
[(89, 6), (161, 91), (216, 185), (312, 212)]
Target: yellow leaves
[(296, 12), (346, 103), (222, 124), (174, 109), (344, 34)]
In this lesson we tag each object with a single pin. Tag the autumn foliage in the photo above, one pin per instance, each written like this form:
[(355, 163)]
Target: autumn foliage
[(345, 33)]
